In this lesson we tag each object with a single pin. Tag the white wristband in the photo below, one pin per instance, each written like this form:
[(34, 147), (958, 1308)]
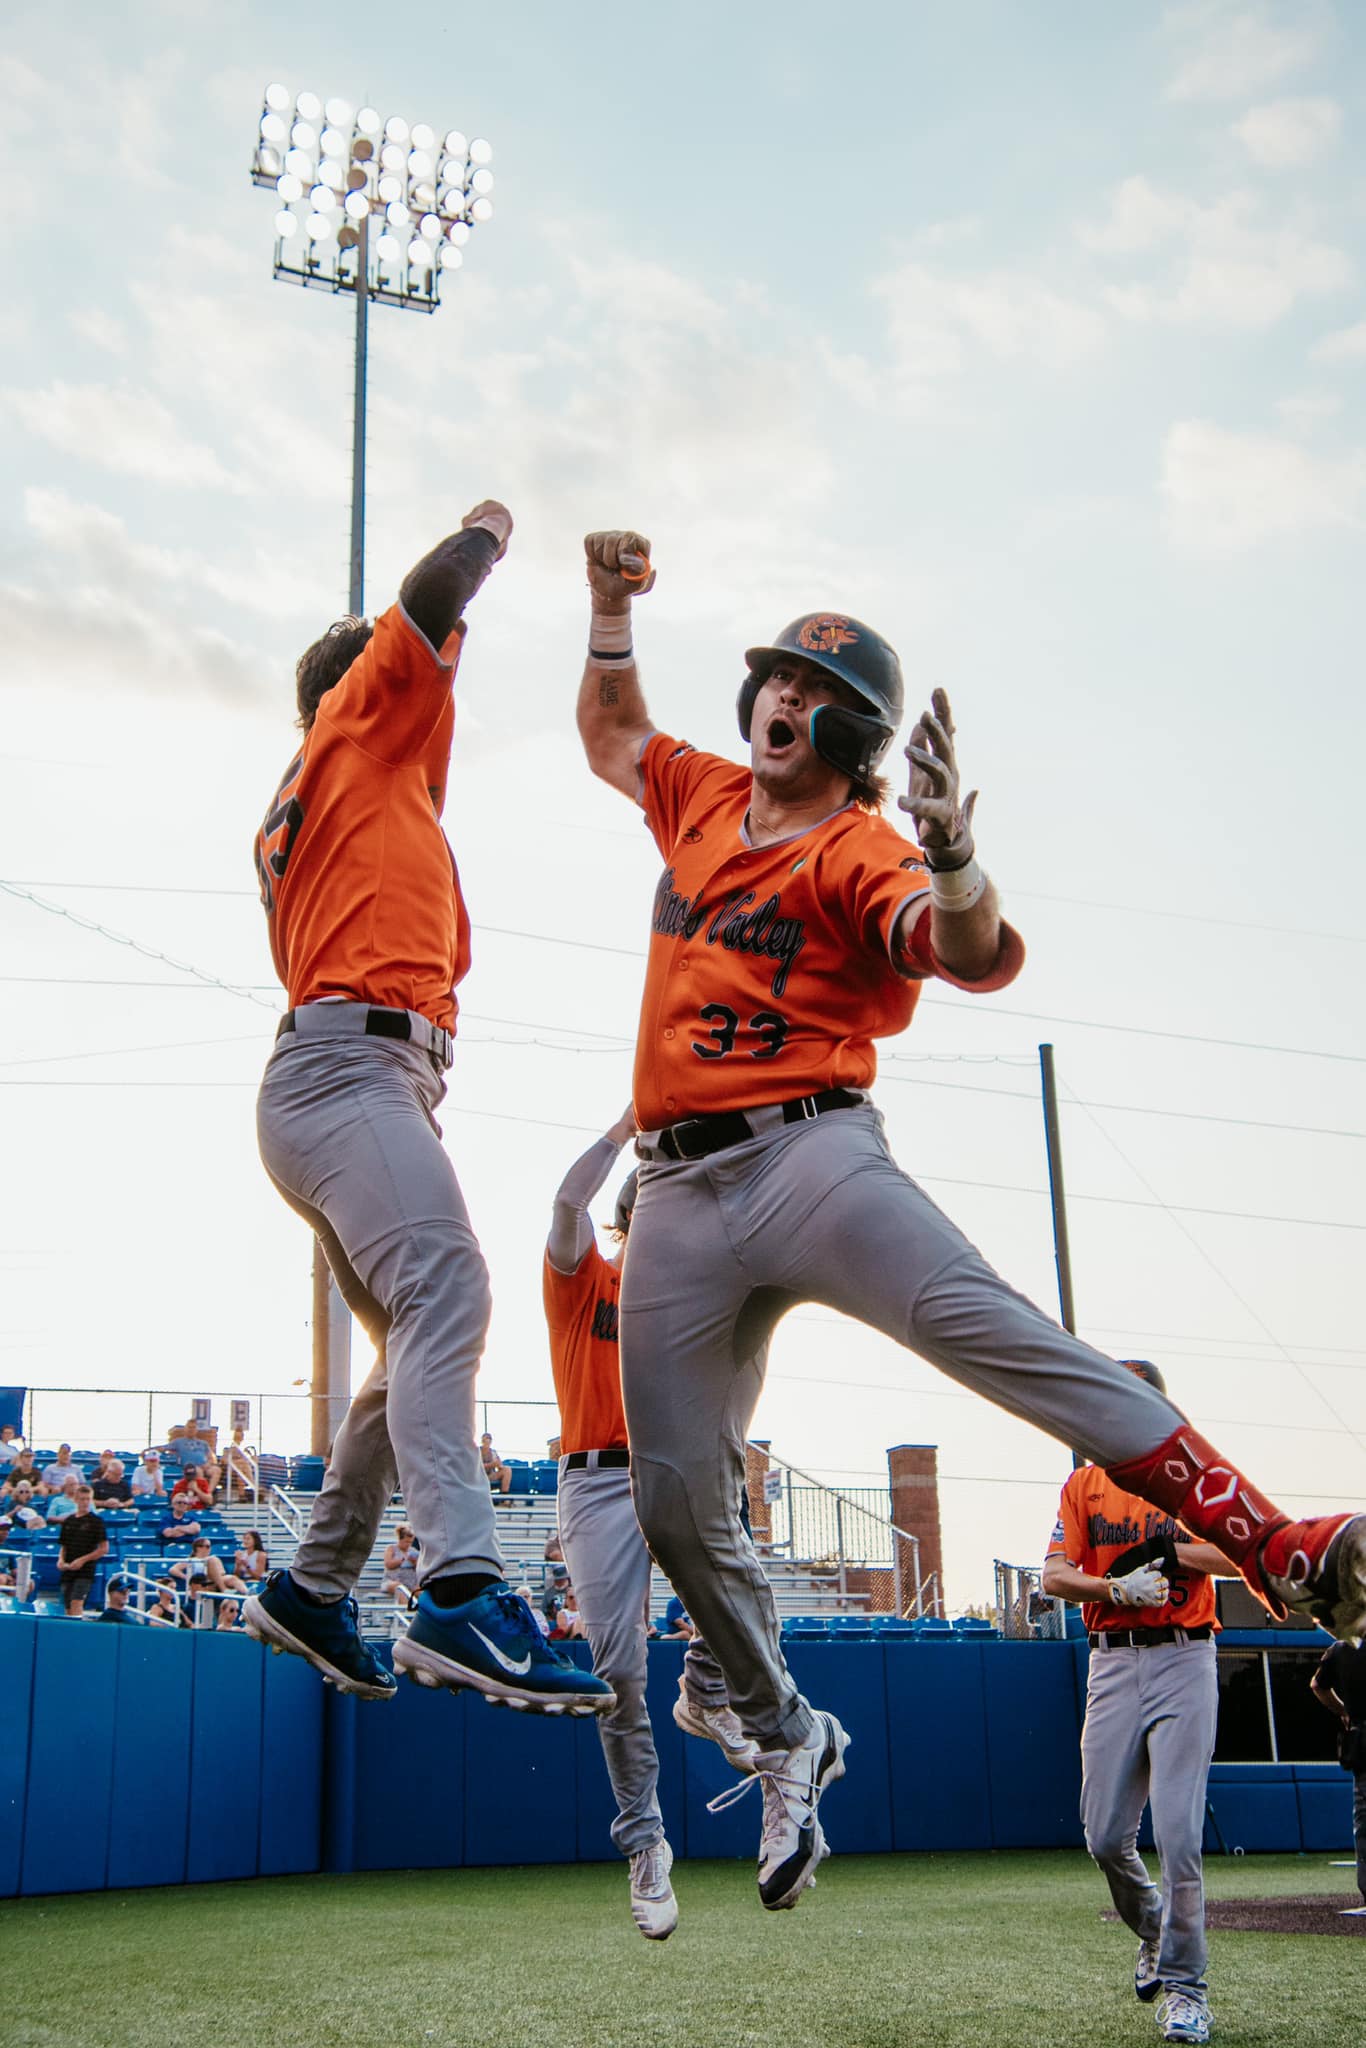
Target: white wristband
[(609, 639), (960, 888)]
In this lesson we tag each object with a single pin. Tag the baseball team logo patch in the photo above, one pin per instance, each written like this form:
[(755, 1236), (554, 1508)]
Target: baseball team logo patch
[(826, 633)]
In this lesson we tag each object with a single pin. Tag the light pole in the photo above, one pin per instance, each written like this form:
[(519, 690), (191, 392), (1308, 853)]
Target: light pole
[(382, 209)]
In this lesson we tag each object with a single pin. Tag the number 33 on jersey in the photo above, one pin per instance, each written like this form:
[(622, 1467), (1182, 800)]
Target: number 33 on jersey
[(770, 970)]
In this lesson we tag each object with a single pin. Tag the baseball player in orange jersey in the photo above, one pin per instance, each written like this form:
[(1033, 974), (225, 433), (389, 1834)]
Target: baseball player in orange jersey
[(370, 937), (603, 1546), (792, 927), (1146, 1589)]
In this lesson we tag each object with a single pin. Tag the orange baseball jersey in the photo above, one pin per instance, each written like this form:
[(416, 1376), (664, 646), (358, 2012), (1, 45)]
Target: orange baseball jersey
[(1097, 1523), (581, 1311), (770, 972), (357, 878)]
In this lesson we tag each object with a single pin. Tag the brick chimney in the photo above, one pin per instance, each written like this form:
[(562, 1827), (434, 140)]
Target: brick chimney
[(756, 1469), (913, 1470)]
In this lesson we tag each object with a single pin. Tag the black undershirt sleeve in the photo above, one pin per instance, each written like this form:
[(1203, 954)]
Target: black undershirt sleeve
[(435, 593)]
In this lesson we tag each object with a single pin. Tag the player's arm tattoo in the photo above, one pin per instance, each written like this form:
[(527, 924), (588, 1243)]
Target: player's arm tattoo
[(608, 693)]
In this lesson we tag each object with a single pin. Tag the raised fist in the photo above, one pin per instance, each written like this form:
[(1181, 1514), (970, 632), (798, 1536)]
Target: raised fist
[(618, 565), (495, 519)]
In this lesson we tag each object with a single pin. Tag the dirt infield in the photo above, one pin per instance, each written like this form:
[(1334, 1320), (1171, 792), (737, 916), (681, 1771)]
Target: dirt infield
[(1309, 1913)]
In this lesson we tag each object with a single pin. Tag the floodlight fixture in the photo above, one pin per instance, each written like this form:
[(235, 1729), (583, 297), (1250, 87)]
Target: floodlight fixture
[(317, 157)]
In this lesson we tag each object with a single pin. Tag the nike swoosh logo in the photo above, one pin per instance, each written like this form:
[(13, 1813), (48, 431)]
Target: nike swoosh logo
[(509, 1664)]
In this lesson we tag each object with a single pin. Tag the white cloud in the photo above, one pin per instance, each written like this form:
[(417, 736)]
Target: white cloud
[(1346, 345), (1287, 133), (1224, 492), (1232, 266), (1304, 410), (1229, 52), (102, 640), (102, 549), (119, 428), (101, 329), (938, 322)]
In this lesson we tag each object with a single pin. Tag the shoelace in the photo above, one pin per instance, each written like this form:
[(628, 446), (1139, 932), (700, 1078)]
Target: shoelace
[(789, 1795)]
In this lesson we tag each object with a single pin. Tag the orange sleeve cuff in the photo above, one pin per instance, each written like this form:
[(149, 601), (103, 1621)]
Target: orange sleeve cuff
[(1010, 958)]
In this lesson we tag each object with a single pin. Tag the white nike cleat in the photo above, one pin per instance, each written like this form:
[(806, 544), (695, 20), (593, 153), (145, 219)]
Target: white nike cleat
[(1147, 1983), (653, 1905), (1184, 2017), (791, 1843), (716, 1724)]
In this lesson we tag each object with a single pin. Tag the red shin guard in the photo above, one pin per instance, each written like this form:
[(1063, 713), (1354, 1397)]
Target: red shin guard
[(1188, 1477)]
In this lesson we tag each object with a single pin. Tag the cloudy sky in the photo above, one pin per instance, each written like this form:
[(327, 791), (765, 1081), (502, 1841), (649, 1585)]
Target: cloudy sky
[(1032, 333)]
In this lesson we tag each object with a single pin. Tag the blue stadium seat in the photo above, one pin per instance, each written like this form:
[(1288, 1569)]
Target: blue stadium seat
[(546, 1472), (932, 1628), (804, 1625), (975, 1625), (892, 1625), (306, 1474)]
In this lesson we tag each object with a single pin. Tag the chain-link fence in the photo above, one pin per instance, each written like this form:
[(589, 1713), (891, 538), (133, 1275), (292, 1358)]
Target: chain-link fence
[(1023, 1610)]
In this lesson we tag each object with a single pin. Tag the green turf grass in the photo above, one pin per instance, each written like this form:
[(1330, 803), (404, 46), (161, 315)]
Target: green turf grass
[(963, 1951)]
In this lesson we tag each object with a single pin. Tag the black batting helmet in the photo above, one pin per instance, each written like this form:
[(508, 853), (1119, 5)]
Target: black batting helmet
[(1146, 1370), (626, 1201), (852, 741)]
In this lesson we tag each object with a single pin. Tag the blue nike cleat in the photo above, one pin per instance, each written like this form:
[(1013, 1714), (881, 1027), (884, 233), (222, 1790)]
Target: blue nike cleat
[(327, 1636), (492, 1644)]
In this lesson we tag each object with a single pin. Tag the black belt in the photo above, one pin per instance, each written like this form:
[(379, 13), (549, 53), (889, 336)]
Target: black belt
[(699, 1135), (577, 1461), (1145, 1638), (394, 1024)]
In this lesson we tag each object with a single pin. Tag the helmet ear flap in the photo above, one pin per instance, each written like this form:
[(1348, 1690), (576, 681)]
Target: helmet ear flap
[(848, 740), (744, 703)]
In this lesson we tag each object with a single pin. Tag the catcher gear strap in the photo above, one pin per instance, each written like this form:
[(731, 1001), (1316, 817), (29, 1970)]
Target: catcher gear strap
[(853, 654), (1144, 1369), (626, 1201)]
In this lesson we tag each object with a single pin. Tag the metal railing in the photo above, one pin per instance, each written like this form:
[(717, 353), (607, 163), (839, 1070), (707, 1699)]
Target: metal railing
[(1023, 1610), (848, 1534)]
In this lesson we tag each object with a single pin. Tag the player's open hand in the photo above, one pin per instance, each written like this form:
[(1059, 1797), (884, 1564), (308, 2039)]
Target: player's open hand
[(1146, 1587), (943, 819), (618, 565), (495, 519)]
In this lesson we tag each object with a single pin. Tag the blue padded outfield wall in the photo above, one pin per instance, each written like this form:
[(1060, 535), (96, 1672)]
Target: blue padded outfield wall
[(136, 1756)]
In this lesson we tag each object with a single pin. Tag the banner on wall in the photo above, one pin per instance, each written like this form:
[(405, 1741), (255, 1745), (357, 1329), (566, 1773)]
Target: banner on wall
[(202, 1408), (12, 1401), (241, 1415)]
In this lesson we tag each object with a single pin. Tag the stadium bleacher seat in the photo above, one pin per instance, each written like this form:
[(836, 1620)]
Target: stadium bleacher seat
[(975, 1625), (932, 1628), (804, 1625), (306, 1474)]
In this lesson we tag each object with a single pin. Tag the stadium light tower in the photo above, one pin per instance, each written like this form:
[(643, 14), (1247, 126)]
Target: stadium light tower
[(383, 209)]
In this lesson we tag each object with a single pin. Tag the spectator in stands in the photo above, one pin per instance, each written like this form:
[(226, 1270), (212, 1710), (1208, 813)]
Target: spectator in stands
[(238, 1472), (554, 1549), (193, 1488), (180, 1526), (678, 1626), (568, 1621), (10, 1444), (148, 1482), (400, 1566), (229, 1614), (82, 1544), (100, 1467), (62, 1504), (202, 1568), (112, 1489), (190, 1447), (557, 1585), (495, 1471), (116, 1606), (21, 1470), (6, 1575), (164, 1611), (20, 1504), (525, 1593), (251, 1561), (56, 1474)]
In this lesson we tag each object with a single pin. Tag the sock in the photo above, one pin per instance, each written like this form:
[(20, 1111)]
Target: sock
[(459, 1587), (1192, 1480)]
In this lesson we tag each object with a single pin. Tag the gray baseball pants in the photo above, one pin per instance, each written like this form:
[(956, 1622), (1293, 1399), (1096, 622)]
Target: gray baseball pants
[(348, 1134), (1149, 1736), (610, 1569), (719, 1249)]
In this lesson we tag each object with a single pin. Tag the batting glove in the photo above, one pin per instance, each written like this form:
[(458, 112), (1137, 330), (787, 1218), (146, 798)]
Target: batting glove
[(1147, 1587)]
